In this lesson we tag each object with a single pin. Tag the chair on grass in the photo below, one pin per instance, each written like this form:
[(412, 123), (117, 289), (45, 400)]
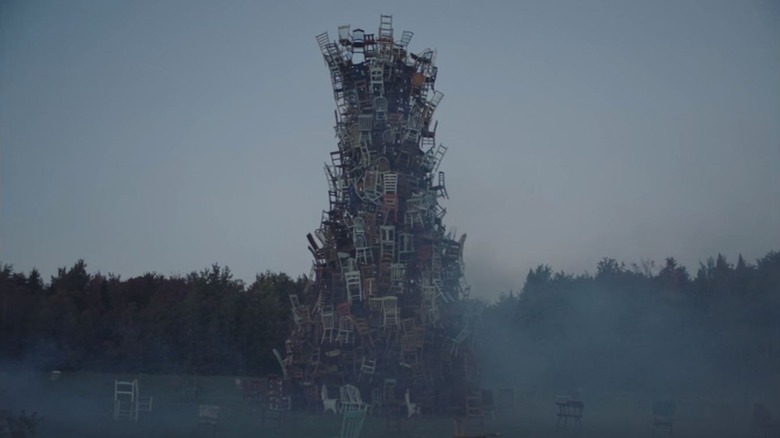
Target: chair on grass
[(144, 403), (208, 417), (328, 404), (279, 402), (762, 424), (411, 408), (125, 399), (190, 390), (569, 408), (663, 416)]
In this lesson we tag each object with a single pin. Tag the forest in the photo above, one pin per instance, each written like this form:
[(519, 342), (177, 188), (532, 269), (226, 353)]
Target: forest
[(626, 327)]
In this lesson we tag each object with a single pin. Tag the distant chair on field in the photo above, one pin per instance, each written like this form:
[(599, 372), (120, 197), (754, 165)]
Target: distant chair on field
[(125, 398), (128, 401), (208, 418), (191, 387), (569, 407), (762, 425), (22, 426), (663, 416)]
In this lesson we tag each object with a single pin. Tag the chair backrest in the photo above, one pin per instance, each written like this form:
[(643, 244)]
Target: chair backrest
[(125, 390), (208, 413), (352, 394), (328, 320), (368, 365), (344, 394), (352, 423), (388, 391), (390, 304)]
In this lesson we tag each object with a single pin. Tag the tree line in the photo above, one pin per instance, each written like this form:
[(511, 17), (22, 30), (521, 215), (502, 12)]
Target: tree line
[(626, 326), (640, 327), (205, 322)]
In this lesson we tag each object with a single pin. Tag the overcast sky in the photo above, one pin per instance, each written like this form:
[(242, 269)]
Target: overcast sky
[(168, 135)]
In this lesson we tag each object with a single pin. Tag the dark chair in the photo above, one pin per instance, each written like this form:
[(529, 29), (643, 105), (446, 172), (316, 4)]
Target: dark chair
[(762, 425), (570, 409), (663, 416)]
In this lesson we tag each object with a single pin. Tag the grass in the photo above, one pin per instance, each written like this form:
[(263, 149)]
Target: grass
[(80, 405)]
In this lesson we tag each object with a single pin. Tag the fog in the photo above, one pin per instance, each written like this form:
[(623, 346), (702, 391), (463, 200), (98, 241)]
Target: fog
[(618, 340)]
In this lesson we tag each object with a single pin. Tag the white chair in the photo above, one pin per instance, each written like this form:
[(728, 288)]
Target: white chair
[(354, 286), (328, 323), (363, 254), (411, 408), (390, 183), (350, 399), (344, 335), (397, 276), (387, 239), (390, 311), (453, 344), (328, 404), (125, 399), (282, 362), (367, 368), (352, 423)]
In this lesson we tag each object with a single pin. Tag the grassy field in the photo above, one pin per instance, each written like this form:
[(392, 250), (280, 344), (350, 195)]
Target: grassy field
[(80, 405)]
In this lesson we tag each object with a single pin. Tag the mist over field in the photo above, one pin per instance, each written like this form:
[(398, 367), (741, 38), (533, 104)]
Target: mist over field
[(618, 339), (614, 165)]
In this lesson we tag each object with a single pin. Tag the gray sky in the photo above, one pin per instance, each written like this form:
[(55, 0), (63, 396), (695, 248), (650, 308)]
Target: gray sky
[(168, 135)]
